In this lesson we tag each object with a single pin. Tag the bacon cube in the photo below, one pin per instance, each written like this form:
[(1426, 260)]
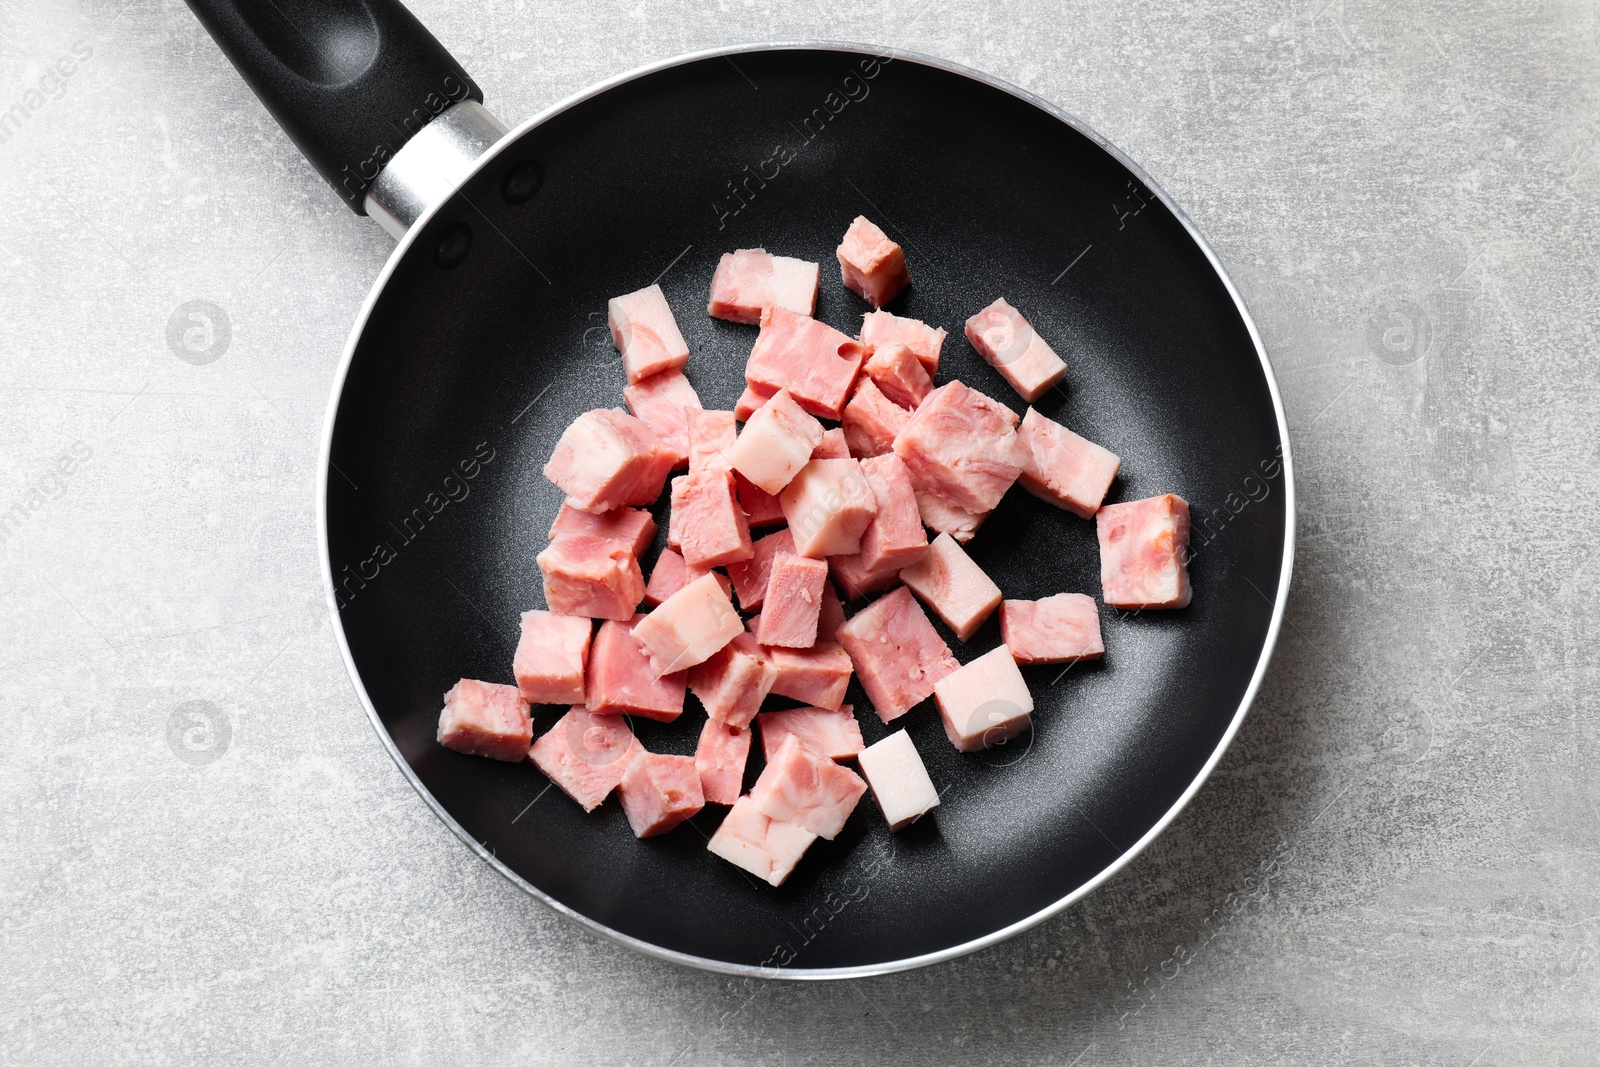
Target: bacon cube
[(752, 281), (956, 588), (607, 458), (857, 580), (962, 446), (818, 675), (597, 577), (828, 505), (732, 683), (761, 508), (765, 847), (658, 792), (485, 719), (644, 331), (663, 402), (620, 678), (1144, 553), (872, 421), (688, 627), (832, 446), (711, 437), (899, 375), (671, 574), (873, 266), (898, 779), (814, 362), (1009, 345), (720, 758), (897, 653), (808, 790), (831, 733), (750, 576), (710, 526), (1057, 629), (894, 538), (775, 443), (831, 617), (550, 657), (585, 754), (632, 526), (880, 328), (748, 404), (793, 604), (1063, 468), (941, 516), (984, 703)]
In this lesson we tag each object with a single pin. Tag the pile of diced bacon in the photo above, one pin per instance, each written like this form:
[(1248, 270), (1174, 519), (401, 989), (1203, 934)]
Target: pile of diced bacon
[(774, 527)]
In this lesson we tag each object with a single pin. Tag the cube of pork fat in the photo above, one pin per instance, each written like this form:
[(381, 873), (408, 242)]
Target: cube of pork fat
[(831, 733), (814, 362), (832, 446), (644, 331), (732, 683), (1144, 548), (880, 328), (828, 505), (592, 576), (751, 281), (898, 779), (872, 421), (793, 604), (658, 792), (720, 758), (775, 443), (633, 526), (663, 402), (761, 508), (962, 446), (671, 574), (689, 627), (750, 576), (897, 653), (872, 265), (808, 790), (941, 516), (585, 754), (899, 375), (952, 585), (1057, 629), (985, 703), (711, 437), (485, 719), (709, 525), (1004, 339), (818, 675), (620, 679), (1063, 468), (765, 847), (608, 458), (550, 657)]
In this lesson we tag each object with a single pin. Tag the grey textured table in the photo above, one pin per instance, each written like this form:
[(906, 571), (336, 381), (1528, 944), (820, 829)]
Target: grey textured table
[(1396, 862)]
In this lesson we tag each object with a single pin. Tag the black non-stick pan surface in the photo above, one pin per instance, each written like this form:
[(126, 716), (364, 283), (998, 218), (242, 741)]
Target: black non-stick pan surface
[(467, 367)]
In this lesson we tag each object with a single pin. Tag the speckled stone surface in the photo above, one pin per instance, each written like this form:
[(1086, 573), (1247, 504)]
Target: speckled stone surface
[(207, 856)]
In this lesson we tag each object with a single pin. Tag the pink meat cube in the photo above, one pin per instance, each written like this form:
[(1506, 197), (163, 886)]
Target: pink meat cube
[(1057, 629), (894, 538), (1144, 553), (748, 404), (752, 281), (663, 402), (688, 627), (720, 758), (857, 580), (828, 505), (761, 508), (818, 675), (831, 733), (873, 266), (831, 617), (592, 576), (898, 779), (658, 792), (550, 657), (485, 719), (872, 421), (620, 678), (765, 847), (1063, 468), (792, 606), (644, 331), (1003, 338), (952, 585), (984, 703), (711, 437), (897, 653), (585, 754), (775, 443), (941, 516), (814, 362), (962, 446), (880, 328), (608, 458), (671, 574), (808, 790), (733, 682), (750, 576), (832, 446), (632, 526), (899, 375), (709, 523)]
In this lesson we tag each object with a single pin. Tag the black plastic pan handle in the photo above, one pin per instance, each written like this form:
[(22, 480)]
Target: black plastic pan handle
[(350, 81)]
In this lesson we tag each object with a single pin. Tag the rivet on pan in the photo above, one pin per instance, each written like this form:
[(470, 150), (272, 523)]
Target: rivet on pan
[(522, 181), (454, 245)]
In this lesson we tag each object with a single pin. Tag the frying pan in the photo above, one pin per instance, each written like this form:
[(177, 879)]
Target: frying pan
[(484, 336)]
